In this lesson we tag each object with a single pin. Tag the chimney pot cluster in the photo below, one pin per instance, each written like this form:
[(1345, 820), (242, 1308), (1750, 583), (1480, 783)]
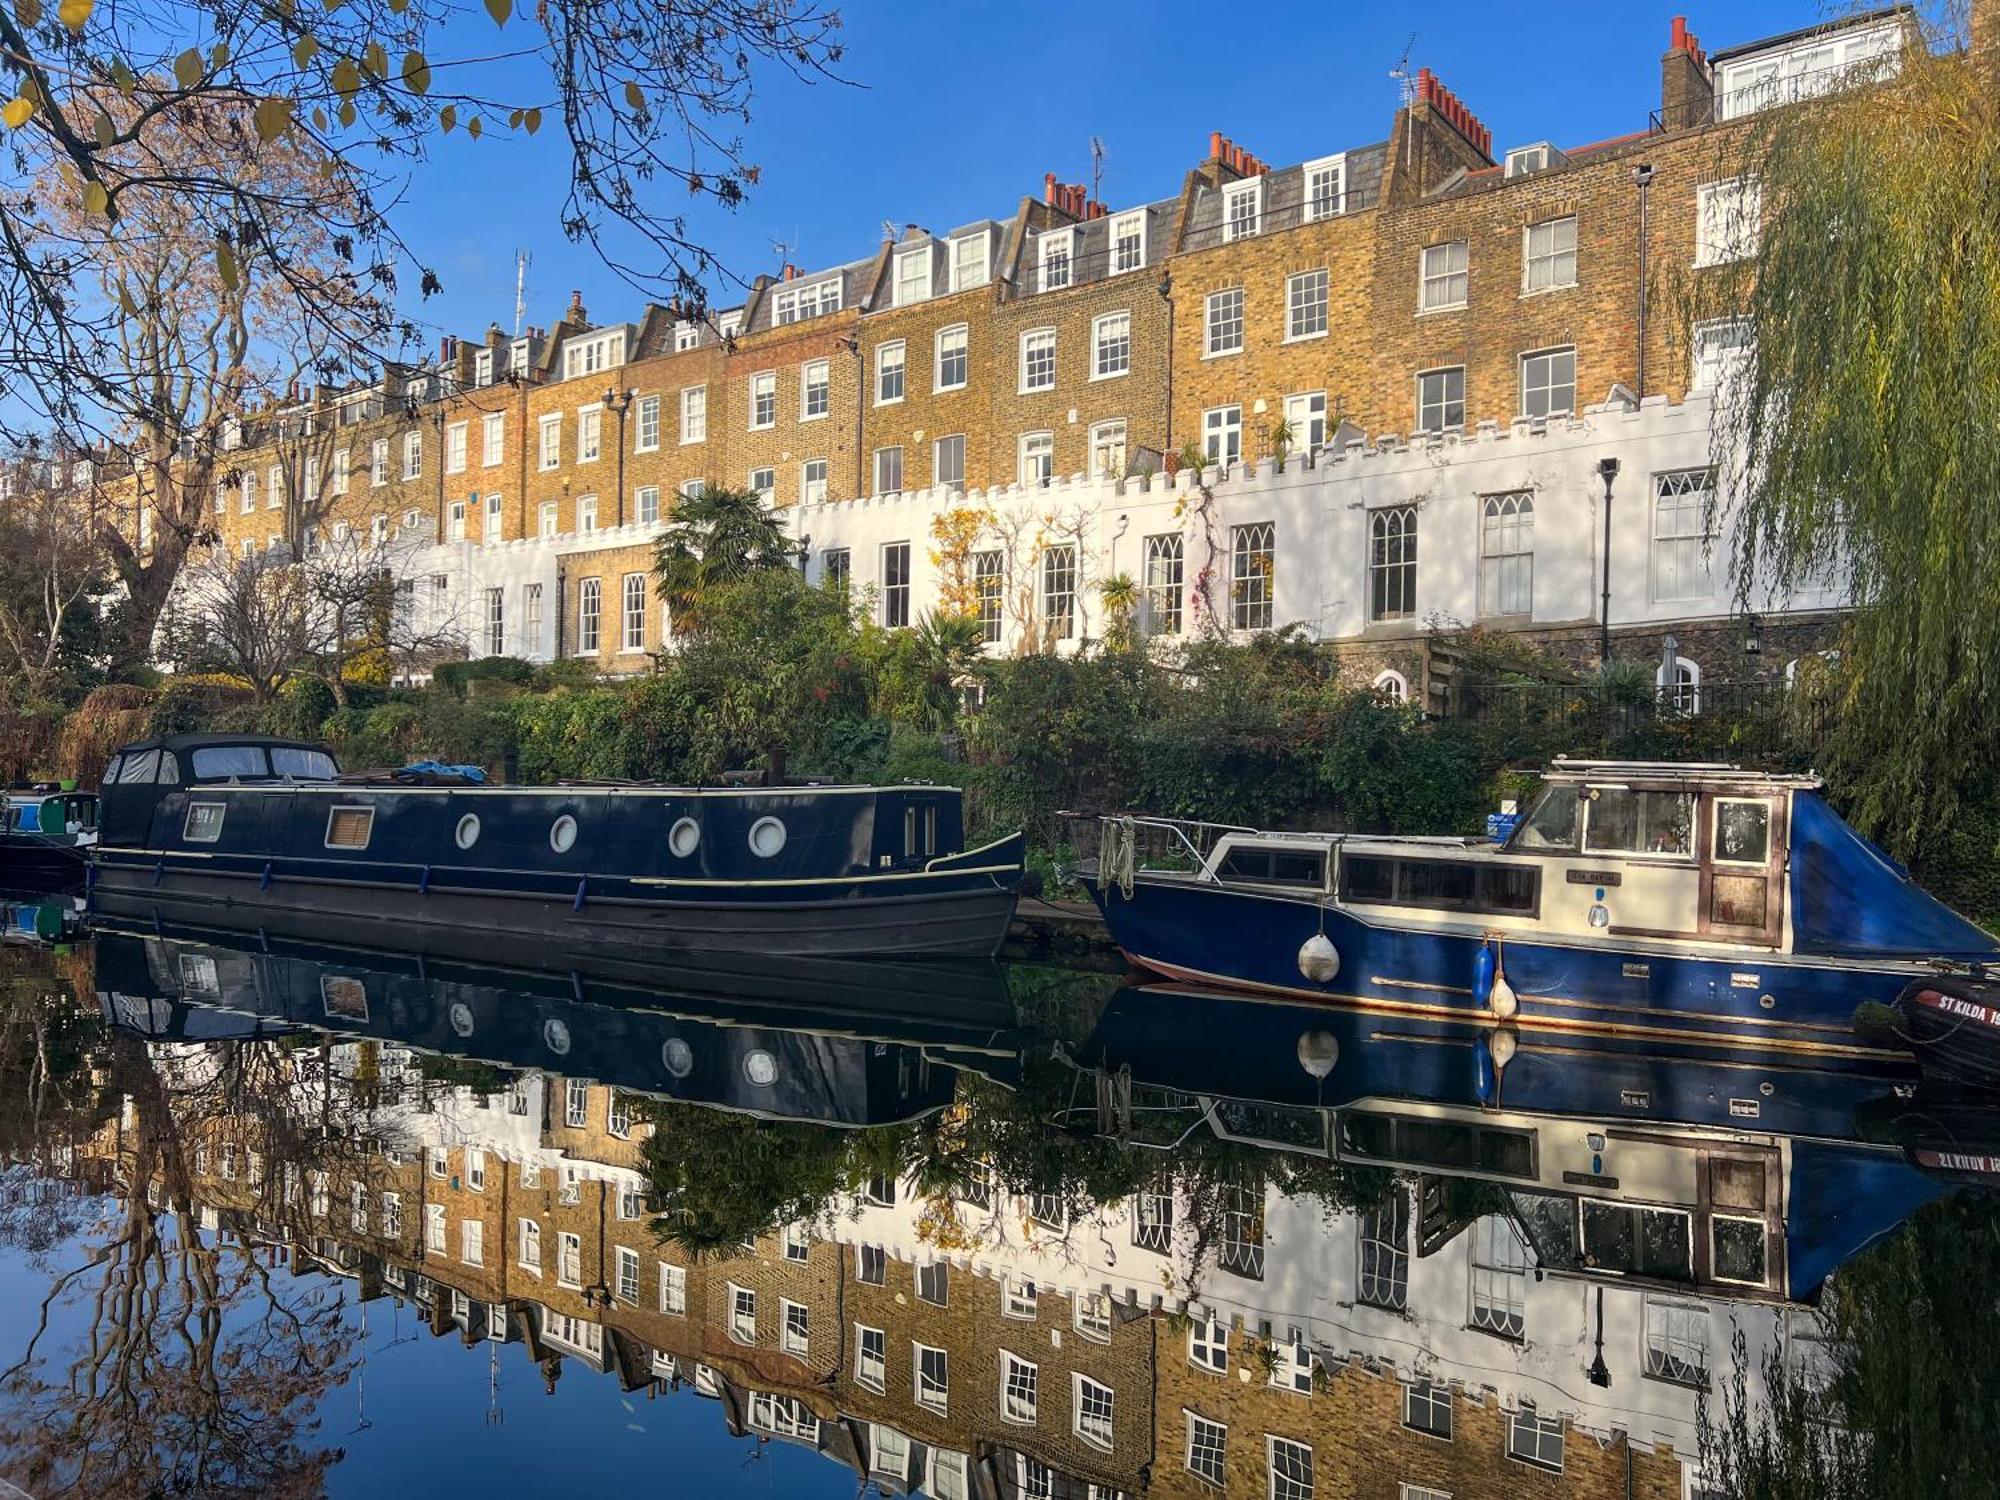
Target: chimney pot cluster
[(1686, 41), (1072, 198), (1234, 157), (1431, 90), (791, 272)]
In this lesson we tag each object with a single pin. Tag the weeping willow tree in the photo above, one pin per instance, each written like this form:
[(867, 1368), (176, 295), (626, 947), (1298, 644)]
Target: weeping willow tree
[(1862, 432)]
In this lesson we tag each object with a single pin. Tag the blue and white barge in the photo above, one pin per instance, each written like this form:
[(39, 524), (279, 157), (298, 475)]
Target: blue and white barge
[(1646, 895)]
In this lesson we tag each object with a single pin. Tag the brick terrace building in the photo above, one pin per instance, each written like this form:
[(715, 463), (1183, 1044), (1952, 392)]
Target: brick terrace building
[(1403, 303)]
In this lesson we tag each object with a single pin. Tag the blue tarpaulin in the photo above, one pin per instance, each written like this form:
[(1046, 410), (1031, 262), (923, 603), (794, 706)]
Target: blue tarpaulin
[(1842, 1200), (439, 768), (1850, 898)]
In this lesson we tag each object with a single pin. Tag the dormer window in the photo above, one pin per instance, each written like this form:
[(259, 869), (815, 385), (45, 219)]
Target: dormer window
[(1242, 209), (482, 367), (517, 358), (1324, 187), (913, 275), (1128, 241), (731, 323), (419, 388), (794, 304), (1055, 259), (969, 260), (593, 353), (687, 336)]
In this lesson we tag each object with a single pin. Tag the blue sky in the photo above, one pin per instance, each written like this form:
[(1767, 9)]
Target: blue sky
[(958, 110)]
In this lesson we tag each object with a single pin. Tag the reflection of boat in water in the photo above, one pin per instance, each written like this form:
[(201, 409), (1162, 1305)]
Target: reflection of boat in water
[(1648, 893), (198, 821), (40, 921), (837, 1043), (1703, 1163)]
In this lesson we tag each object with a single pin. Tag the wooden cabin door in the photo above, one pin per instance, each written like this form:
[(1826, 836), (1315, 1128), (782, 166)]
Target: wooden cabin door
[(1743, 867)]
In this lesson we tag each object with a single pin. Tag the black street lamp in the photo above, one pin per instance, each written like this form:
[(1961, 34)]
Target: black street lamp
[(1607, 470), (620, 402)]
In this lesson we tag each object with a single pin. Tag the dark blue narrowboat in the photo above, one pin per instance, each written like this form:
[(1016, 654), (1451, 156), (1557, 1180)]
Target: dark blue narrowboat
[(1643, 894), (265, 825)]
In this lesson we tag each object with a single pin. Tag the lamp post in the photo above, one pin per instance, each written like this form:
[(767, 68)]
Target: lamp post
[(1607, 470), (620, 402), (1600, 1373)]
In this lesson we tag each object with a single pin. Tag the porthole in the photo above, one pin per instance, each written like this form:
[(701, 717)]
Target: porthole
[(677, 1057), (468, 831), (767, 837), (461, 1018), (562, 834), (684, 838), (761, 1068), (555, 1036)]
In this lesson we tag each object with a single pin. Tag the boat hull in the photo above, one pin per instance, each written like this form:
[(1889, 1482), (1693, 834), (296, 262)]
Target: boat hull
[(37, 863), (946, 913), (1204, 932)]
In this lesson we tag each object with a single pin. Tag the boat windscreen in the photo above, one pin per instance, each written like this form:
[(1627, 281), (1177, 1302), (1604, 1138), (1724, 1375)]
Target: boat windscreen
[(214, 762), (303, 765)]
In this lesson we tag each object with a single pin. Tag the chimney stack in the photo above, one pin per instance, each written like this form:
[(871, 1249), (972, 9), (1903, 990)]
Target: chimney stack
[(1687, 87)]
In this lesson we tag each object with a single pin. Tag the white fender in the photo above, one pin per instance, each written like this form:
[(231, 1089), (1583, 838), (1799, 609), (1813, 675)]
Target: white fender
[(1319, 960), (1502, 1000), (1318, 1051), (1503, 1045)]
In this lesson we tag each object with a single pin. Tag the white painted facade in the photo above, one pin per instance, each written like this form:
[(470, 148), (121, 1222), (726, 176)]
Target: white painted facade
[(1325, 513)]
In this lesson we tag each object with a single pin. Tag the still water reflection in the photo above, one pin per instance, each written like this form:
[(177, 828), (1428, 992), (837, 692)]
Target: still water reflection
[(290, 1219)]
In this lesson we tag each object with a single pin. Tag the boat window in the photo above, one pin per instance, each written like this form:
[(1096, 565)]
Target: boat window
[(562, 834), (111, 771), (1441, 884), (1628, 822), (212, 762), (349, 827), (1449, 1145), (1548, 1222), (1737, 1249), (919, 828), (204, 822), (467, 833), (1552, 825), (767, 837), (138, 768), (1274, 865), (170, 769), (303, 765), (1638, 1241), (1364, 877), (1437, 882), (1742, 831), (684, 837)]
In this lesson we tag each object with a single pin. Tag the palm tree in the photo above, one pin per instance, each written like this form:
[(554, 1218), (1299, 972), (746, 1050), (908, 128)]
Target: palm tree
[(1120, 597), (717, 537), (946, 649)]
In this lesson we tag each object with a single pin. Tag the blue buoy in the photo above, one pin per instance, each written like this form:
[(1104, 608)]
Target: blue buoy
[(1482, 974), (1485, 1079)]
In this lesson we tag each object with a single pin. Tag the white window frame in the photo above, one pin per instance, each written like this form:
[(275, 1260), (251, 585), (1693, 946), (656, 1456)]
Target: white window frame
[(1196, 1422), (1099, 326), (1284, 1487), (548, 437), (1083, 1391), (1032, 341), (1221, 432), (1022, 456), (1682, 481), (1435, 283), (907, 291), (1444, 403), (959, 280), (1310, 210), (871, 1371), (794, 1340), (1216, 321), (960, 336), (1055, 260), (742, 1314), (1013, 1411), (694, 414), (1119, 231), (892, 356), (631, 623), (823, 369), (454, 448), (1305, 410), (1728, 220), (813, 491), (1549, 386), (673, 1290), (492, 440), (1550, 256), (930, 1394), (1101, 439), (764, 384), (1292, 305), (1242, 226), (800, 300)]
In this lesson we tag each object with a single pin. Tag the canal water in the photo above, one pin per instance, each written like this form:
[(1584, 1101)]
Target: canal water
[(287, 1219)]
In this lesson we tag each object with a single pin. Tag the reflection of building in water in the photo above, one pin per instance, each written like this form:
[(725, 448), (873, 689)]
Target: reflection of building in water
[(980, 1346)]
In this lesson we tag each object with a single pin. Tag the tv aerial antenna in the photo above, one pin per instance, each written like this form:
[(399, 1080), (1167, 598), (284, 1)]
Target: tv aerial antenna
[(1406, 87), (1097, 154), (522, 260)]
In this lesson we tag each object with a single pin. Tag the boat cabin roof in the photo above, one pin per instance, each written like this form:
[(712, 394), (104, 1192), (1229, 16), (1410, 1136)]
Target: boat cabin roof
[(180, 743), (1688, 773)]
